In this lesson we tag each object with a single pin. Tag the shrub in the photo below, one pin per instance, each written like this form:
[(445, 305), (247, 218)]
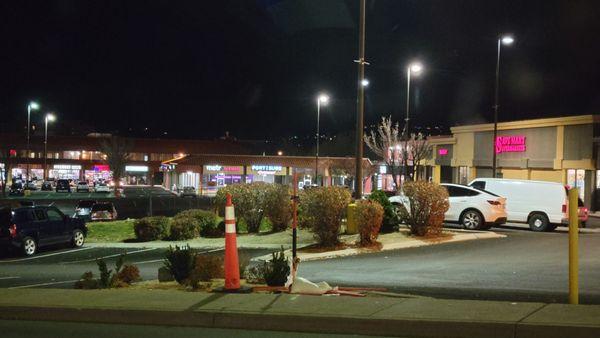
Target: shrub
[(121, 276), (184, 228), (390, 216), (152, 228), (206, 220), (249, 201), (129, 274), (275, 272), (321, 210), (206, 267), (87, 281), (427, 204), (180, 262), (278, 206), (369, 216)]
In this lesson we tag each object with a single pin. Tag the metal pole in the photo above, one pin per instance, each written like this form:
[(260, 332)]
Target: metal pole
[(46, 147), (295, 216), (28, 130), (407, 101), (360, 111), (573, 247), (494, 173), (317, 152)]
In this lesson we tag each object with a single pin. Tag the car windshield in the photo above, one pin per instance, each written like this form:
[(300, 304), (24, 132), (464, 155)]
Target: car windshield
[(102, 184), (82, 183), (188, 189), (85, 204), (102, 207)]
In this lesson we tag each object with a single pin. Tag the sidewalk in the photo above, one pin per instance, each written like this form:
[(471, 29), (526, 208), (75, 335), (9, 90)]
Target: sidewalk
[(412, 317)]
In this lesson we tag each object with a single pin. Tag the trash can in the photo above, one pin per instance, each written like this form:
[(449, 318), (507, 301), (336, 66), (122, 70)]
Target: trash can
[(351, 222)]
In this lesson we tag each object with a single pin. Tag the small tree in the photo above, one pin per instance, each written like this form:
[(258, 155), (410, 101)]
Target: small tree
[(419, 149), (384, 141), (425, 207), (116, 153)]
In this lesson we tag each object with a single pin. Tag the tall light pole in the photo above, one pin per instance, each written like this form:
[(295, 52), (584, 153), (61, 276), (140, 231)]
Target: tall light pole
[(413, 68), (321, 99), (360, 102), (49, 118), (31, 106), (502, 40)]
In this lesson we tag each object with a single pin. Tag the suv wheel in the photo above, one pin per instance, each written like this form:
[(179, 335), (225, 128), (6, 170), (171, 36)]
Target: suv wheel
[(539, 222), (78, 239), (472, 220), (29, 246)]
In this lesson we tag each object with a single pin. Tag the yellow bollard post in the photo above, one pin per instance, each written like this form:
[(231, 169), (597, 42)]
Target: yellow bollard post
[(573, 247)]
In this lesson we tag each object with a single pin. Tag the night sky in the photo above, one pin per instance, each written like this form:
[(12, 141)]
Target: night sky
[(195, 69)]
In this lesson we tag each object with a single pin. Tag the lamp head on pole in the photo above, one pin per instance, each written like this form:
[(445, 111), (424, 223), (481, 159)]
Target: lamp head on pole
[(364, 83), (34, 105), (507, 40), (323, 98), (415, 68), (50, 117)]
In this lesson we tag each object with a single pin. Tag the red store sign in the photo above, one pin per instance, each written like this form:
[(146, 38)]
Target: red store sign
[(510, 144)]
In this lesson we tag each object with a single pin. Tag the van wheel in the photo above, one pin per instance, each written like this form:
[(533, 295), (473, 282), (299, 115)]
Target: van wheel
[(472, 220), (78, 239), (539, 222), (29, 246)]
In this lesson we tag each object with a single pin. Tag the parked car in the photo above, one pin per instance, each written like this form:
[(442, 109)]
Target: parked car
[(543, 205), (101, 187), (474, 209), (16, 189), (29, 228), (63, 186), (103, 211), (188, 192), (82, 186), (83, 209), (47, 186), (31, 185)]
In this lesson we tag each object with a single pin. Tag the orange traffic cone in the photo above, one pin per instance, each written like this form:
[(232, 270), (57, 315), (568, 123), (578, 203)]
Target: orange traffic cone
[(232, 267)]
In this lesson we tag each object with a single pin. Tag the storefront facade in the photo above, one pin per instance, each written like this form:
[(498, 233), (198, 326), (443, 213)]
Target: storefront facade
[(562, 150)]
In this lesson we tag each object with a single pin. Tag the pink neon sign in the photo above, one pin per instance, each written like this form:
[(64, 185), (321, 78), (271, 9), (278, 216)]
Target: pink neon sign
[(442, 151), (510, 144)]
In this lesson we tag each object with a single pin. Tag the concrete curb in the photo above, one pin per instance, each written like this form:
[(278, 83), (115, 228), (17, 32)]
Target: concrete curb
[(458, 236), (404, 327)]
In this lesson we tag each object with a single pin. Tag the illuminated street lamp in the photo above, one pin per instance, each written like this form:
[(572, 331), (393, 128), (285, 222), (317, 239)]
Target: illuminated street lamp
[(31, 106), (364, 83), (49, 118), (502, 40), (321, 99), (414, 68)]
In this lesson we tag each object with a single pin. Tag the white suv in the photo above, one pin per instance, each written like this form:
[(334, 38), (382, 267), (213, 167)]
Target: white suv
[(475, 209)]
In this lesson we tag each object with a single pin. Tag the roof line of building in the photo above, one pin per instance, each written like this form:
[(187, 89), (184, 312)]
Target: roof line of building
[(533, 123)]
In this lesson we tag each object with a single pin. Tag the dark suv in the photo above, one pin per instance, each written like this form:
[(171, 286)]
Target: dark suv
[(28, 228), (63, 186)]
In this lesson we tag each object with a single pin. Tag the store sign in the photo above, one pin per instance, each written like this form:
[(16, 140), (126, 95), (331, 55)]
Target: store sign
[(266, 167), (67, 167), (510, 144), (101, 167), (213, 167), (220, 168), (136, 168), (442, 151), (167, 167), (383, 169)]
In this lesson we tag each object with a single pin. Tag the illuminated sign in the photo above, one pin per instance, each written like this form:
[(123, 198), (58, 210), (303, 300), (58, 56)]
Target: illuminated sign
[(213, 167), (266, 167), (229, 169), (383, 169), (101, 167), (136, 168), (442, 151), (67, 166), (510, 144)]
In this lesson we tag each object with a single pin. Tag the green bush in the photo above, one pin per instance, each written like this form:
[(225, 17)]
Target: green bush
[(249, 202), (390, 215), (427, 204), (369, 216), (121, 276), (276, 271), (278, 206), (207, 222), (152, 228), (321, 209), (184, 228), (180, 262)]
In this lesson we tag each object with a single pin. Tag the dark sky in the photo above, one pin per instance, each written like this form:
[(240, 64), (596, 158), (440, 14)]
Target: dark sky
[(254, 67)]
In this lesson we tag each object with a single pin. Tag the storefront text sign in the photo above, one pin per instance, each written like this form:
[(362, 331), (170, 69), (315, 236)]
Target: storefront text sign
[(442, 151), (266, 167), (510, 144)]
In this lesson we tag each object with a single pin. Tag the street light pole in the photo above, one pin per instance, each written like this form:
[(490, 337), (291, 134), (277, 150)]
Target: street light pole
[(360, 102), (49, 117), (507, 40), (407, 101), (320, 99), (30, 106)]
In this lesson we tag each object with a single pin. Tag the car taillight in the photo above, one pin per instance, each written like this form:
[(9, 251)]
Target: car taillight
[(585, 210), (564, 208), (494, 202), (12, 231)]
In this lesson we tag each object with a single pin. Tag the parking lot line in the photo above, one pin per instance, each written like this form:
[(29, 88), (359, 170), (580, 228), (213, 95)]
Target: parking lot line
[(42, 284), (47, 255), (10, 277), (109, 256)]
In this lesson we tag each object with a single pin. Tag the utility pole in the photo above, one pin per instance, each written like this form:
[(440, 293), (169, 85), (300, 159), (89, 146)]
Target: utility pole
[(360, 102)]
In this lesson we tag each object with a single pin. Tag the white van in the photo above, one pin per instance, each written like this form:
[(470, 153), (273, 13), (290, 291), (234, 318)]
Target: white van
[(543, 205)]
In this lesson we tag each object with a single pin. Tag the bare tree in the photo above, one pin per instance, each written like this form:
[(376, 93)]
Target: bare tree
[(116, 153), (419, 149), (384, 141)]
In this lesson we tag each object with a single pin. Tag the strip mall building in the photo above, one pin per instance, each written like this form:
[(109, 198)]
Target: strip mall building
[(563, 150)]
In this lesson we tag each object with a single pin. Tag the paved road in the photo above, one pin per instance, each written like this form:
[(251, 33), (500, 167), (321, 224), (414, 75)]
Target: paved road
[(40, 329), (523, 266)]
